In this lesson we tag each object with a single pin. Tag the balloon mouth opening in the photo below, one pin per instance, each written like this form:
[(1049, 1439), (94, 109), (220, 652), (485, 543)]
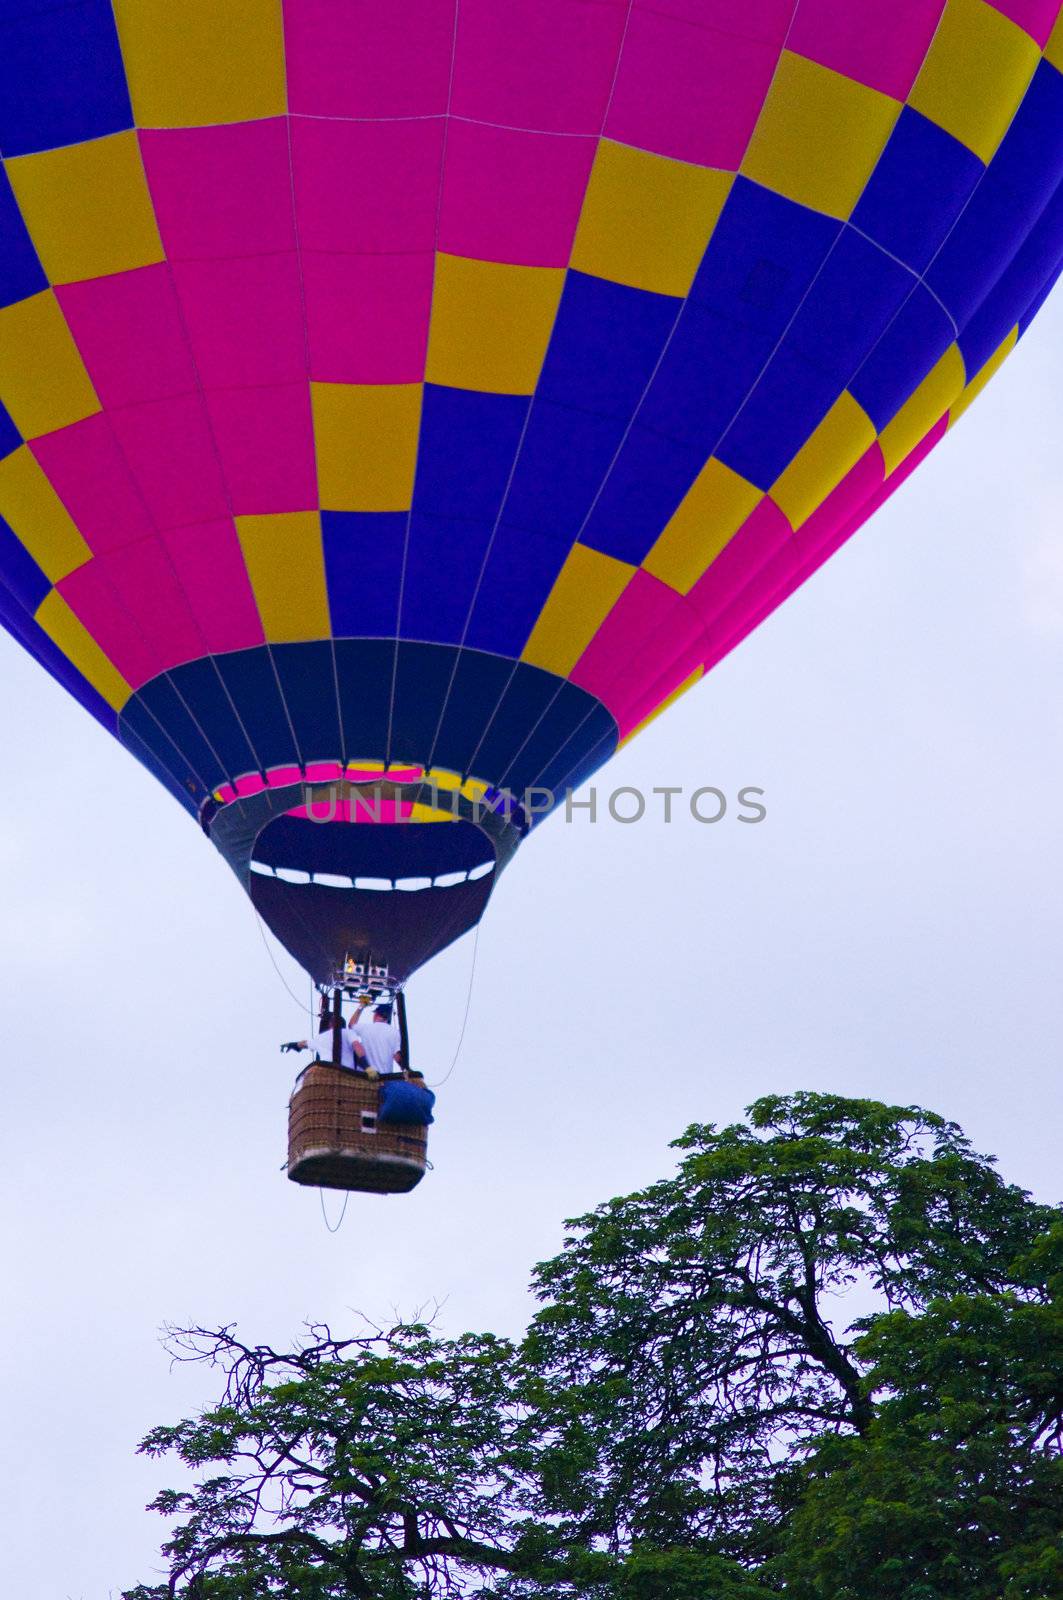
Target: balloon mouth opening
[(401, 856), (394, 894)]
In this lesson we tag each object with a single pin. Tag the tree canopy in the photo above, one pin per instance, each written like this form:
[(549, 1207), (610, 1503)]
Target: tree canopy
[(824, 1358)]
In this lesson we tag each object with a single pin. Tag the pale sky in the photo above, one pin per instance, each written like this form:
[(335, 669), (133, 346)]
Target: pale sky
[(892, 929)]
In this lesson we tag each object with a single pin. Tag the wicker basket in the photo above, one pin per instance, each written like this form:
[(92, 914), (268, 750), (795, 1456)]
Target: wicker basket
[(336, 1142)]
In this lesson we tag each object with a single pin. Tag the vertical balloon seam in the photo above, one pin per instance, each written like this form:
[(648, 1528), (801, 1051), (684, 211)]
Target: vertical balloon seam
[(524, 429), (427, 335)]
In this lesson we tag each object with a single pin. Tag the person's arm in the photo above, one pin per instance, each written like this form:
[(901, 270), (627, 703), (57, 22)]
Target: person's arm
[(363, 1001), (294, 1044)]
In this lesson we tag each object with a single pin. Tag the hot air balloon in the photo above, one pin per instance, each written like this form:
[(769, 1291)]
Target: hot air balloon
[(417, 398)]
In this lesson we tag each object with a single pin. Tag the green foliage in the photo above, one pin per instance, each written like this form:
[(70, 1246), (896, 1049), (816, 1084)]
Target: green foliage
[(693, 1340), (683, 1575), (956, 1490), (383, 1465), (821, 1360)]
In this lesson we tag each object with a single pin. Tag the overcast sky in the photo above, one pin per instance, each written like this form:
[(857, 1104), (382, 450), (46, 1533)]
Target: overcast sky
[(892, 929)]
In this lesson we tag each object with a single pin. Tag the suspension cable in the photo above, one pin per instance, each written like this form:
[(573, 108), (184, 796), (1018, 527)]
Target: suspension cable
[(465, 1019)]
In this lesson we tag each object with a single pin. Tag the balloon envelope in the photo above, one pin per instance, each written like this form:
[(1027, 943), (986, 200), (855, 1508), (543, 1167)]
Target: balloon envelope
[(432, 392)]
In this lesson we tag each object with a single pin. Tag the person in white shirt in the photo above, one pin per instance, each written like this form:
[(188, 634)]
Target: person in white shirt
[(322, 1047), (377, 1044), (322, 1044)]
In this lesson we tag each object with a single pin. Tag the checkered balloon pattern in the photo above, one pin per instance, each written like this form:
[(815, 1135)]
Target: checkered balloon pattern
[(446, 386)]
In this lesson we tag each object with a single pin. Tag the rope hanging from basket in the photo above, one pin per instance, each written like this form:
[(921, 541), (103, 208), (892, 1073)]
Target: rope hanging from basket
[(324, 1213)]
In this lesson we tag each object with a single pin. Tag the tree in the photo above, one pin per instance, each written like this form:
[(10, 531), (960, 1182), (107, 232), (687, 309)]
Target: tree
[(955, 1492), (385, 1465), (822, 1345), (693, 1344)]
